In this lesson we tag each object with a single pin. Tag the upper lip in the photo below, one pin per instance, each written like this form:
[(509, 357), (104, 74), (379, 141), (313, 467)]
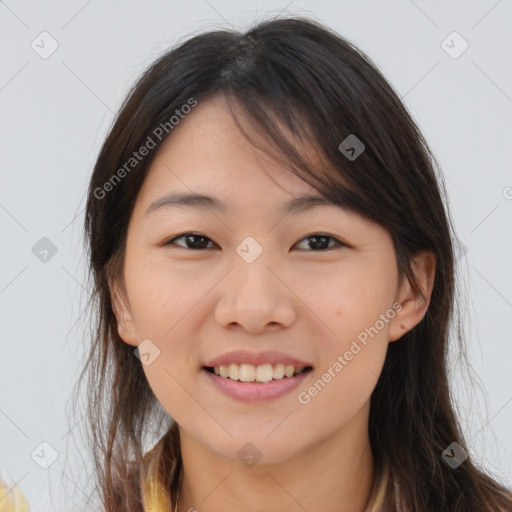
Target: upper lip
[(256, 358)]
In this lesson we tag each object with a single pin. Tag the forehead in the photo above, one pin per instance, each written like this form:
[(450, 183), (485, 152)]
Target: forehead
[(207, 154)]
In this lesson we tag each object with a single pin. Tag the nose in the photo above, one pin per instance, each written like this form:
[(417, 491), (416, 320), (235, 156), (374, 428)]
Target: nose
[(254, 297)]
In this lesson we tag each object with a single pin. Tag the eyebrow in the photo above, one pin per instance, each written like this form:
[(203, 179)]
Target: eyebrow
[(202, 201)]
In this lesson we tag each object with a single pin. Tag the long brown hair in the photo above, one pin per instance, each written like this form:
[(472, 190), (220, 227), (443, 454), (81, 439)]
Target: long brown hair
[(295, 73)]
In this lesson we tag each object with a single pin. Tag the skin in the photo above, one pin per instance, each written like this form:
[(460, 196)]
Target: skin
[(196, 304)]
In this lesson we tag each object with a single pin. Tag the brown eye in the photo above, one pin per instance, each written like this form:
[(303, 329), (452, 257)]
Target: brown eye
[(192, 241), (318, 241)]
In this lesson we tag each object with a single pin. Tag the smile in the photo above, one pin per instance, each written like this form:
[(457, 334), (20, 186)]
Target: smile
[(255, 391), (262, 373)]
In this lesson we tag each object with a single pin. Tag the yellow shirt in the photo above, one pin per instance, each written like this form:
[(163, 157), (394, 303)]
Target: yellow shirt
[(12, 499)]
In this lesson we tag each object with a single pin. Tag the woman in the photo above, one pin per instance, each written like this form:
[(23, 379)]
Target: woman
[(273, 266)]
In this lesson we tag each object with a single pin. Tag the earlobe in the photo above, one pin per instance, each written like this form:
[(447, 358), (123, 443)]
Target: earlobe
[(414, 306), (124, 318)]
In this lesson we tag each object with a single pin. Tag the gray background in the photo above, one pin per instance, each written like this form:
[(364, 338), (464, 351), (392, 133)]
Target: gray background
[(56, 111)]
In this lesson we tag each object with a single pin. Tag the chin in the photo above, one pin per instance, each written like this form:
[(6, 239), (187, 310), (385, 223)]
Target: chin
[(252, 447)]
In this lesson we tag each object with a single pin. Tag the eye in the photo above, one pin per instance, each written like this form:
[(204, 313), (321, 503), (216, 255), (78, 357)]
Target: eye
[(316, 241), (321, 241), (192, 241)]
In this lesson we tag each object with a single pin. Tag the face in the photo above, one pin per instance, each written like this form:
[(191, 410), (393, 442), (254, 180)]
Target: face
[(253, 288)]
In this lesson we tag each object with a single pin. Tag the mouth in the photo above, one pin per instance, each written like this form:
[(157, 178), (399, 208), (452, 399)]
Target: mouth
[(260, 374)]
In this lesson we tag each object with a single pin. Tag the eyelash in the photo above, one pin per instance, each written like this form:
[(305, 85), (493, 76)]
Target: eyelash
[(339, 243)]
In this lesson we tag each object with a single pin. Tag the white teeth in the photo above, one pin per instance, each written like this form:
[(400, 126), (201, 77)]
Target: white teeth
[(247, 373), (233, 371), (288, 370), (279, 371), (262, 373)]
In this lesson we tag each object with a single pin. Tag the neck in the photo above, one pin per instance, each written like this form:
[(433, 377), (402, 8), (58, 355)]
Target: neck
[(335, 474)]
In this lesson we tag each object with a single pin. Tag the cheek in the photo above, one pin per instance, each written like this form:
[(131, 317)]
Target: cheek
[(161, 293), (163, 303), (356, 305), (170, 386), (342, 390), (353, 296), (362, 311), (351, 360)]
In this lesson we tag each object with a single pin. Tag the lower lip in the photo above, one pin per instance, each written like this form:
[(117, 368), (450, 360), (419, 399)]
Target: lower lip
[(256, 391)]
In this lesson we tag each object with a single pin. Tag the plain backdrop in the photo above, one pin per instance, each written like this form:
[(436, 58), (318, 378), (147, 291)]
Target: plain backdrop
[(56, 110)]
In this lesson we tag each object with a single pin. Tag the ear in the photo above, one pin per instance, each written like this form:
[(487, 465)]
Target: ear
[(124, 318), (413, 307)]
